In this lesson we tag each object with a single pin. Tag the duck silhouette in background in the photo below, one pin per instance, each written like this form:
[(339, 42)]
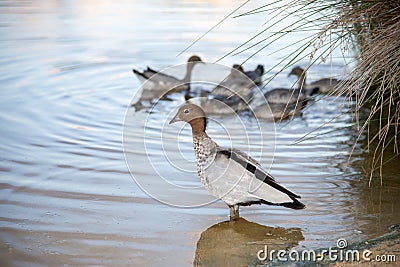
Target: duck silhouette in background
[(156, 83), (284, 96), (282, 103), (325, 85), (235, 81), (275, 112)]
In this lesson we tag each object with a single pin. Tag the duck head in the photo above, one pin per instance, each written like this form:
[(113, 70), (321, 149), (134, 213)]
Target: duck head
[(192, 114), (236, 71), (298, 71), (195, 59), (237, 67), (301, 75)]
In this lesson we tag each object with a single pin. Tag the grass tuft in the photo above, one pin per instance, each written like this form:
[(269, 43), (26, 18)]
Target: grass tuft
[(370, 30)]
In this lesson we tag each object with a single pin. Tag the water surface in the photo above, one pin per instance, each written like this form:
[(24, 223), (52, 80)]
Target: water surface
[(66, 194)]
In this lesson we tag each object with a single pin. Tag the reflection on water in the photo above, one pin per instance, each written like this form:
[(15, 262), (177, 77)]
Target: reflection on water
[(236, 243), (66, 195)]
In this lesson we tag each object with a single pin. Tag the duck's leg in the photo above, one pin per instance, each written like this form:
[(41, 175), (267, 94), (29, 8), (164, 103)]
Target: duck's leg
[(236, 210), (233, 212)]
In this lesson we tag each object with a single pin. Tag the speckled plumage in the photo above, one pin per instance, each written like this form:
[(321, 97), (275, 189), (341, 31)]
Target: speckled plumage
[(205, 151)]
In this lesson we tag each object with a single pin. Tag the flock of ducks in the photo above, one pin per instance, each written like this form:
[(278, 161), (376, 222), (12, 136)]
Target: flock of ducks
[(230, 174), (236, 92)]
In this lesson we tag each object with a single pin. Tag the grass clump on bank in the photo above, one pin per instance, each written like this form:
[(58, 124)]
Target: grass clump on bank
[(370, 31)]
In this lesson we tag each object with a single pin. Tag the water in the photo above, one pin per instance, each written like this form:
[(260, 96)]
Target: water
[(66, 194)]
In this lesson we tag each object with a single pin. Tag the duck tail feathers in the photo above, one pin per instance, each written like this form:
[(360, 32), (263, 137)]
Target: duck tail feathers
[(136, 72), (296, 205), (139, 74), (151, 70), (260, 70)]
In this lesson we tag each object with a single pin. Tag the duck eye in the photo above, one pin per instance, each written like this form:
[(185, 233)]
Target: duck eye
[(186, 111)]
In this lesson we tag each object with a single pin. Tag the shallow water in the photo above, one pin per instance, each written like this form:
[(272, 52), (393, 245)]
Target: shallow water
[(66, 194)]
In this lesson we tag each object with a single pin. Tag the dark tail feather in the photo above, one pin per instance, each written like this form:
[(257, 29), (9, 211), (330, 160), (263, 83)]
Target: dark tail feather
[(139, 73), (151, 70), (296, 205)]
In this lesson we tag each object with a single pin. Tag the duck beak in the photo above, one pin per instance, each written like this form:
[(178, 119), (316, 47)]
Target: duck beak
[(175, 119)]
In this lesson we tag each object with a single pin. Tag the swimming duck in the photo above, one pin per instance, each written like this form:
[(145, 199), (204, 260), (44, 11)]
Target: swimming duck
[(275, 112), (162, 83), (290, 96), (236, 83), (281, 103), (229, 174), (254, 75), (221, 104), (278, 103), (284, 96), (324, 85)]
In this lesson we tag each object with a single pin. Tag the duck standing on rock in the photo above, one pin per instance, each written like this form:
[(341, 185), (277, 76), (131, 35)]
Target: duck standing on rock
[(229, 174)]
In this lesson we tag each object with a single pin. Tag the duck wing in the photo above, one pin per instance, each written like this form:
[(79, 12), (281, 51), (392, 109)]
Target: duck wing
[(255, 168), (325, 85), (159, 76), (272, 111), (282, 96), (228, 100), (235, 86), (326, 81)]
